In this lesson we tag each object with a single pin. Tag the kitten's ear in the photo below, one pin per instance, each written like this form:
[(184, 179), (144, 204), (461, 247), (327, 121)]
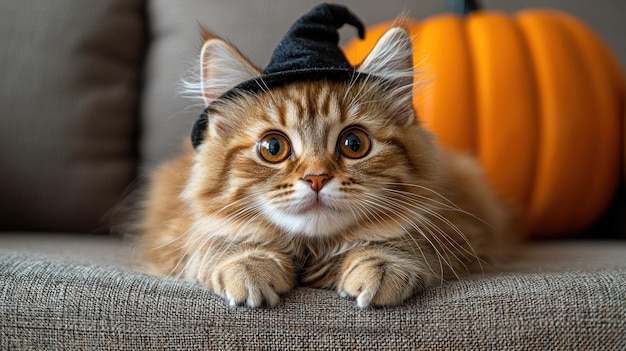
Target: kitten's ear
[(392, 59), (223, 67)]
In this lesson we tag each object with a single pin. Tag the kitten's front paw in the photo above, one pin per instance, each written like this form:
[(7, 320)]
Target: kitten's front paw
[(378, 279), (252, 279)]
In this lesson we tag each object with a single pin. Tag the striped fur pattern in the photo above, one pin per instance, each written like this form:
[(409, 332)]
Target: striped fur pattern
[(378, 228)]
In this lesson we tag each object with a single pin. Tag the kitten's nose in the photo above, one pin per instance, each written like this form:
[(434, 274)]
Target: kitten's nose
[(317, 181)]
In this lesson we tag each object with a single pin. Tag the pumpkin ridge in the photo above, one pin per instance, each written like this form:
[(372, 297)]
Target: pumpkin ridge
[(537, 118), (604, 173), (533, 114), (510, 123), (447, 90), (587, 187), (563, 122), (536, 34), (473, 114)]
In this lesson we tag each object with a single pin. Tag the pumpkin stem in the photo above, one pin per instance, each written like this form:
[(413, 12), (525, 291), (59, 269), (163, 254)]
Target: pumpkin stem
[(463, 7)]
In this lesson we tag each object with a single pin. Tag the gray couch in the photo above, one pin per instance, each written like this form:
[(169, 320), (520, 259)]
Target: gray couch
[(89, 104)]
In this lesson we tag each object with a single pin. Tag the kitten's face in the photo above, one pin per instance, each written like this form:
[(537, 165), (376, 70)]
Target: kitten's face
[(315, 158)]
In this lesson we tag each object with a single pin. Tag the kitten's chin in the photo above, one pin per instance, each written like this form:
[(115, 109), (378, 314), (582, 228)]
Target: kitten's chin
[(314, 222)]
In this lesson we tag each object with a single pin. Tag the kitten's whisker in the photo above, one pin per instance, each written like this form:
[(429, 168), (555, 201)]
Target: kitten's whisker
[(360, 93), (353, 79), (431, 211), (444, 198), (244, 213), (186, 235), (470, 248), (235, 203), (442, 234), (432, 203), (434, 230), (197, 233), (371, 216), (413, 225), (405, 237), (422, 187), (191, 233), (269, 92), (443, 219), (446, 221), (262, 84)]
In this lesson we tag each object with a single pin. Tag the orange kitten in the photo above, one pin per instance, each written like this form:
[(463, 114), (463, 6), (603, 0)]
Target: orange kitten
[(321, 183)]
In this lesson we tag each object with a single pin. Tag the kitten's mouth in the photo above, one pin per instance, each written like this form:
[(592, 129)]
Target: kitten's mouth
[(315, 206), (313, 215)]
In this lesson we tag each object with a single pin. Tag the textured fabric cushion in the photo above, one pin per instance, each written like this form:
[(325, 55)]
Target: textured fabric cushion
[(69, 97), (557, 296), (72, 248)]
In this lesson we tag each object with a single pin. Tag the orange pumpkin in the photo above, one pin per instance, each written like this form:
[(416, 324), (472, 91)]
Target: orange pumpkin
[(535, 95)]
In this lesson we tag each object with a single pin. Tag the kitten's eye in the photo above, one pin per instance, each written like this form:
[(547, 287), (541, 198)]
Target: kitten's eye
[(354, 143), (274, 147)]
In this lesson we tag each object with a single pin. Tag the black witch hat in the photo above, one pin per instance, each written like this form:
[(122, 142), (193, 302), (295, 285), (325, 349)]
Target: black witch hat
[(308, 52)]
